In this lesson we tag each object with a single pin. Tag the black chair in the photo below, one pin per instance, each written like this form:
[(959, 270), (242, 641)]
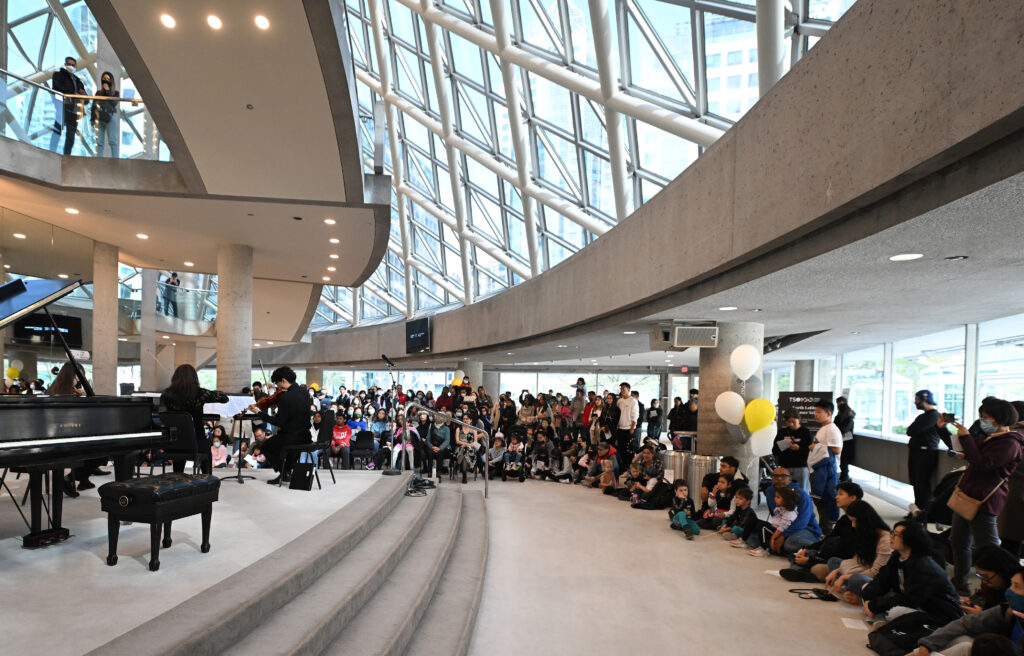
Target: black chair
[(322, 444), (185, 446), (362, 447)]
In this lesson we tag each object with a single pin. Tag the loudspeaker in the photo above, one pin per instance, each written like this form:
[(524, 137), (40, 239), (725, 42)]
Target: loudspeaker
[(695, 337), (302, 476)]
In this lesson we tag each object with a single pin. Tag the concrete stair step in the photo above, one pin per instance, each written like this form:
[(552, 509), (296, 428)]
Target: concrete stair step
[(447, 626), (217, 618), (387, 623), (312, 619)]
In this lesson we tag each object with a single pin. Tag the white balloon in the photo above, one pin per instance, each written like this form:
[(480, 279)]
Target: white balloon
[(459, 373), (17, 364), (730, 407), (761, 441), (745, 360)]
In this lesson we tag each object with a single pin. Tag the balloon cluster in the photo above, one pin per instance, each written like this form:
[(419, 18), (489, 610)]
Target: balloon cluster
[(457, 377), (753, 422), (13, 372)]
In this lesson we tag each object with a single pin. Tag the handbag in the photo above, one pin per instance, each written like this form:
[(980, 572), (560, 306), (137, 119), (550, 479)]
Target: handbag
[(967, 506)]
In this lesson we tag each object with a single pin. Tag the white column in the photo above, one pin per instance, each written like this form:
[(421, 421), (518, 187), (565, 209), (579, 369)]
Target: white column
[(234, 316), (716, 376), (147, 331), (607, 71), (104, 318), (970, 374), (771, 33), (803, 376)]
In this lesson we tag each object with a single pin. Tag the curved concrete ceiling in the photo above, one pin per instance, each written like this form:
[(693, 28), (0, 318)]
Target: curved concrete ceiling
[(244, 111)]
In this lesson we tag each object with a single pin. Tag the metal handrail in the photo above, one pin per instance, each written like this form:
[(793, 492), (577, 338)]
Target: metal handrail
[(76, 96), (438, 413)]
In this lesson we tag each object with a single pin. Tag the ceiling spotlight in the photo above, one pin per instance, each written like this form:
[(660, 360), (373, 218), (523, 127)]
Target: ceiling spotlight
[(142, 236), (166, 336), (628, 332), (122, 339), (508, 354), (727, 308), (326, 278), (262, 22), (332, 268), (214, 22), (757, 310), (18, 235), (563, 346), (62, 276), (956, 258), (334, 240), (330, 221), (333, 256), (189, 263), (270, 343), (71, 210), (7, 266), (168, 21), (906, 257), (854, 332), (256, 345), (670, 355)]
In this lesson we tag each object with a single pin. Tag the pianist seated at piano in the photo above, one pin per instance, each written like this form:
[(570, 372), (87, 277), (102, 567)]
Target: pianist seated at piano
[(185, 395), (67, 384)]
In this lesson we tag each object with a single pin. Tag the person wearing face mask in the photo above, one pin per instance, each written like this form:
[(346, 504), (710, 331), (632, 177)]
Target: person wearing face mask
[(218, 452), (924, 448), (103, 115), (66, 82), (957, 637), (356, 423), (991, 461)]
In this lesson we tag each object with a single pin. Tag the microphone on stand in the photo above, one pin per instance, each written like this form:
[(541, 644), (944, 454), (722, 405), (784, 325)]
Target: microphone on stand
[(387, 359)]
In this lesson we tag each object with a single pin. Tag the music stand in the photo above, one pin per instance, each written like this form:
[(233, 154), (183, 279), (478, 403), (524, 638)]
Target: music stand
[(238, 476)]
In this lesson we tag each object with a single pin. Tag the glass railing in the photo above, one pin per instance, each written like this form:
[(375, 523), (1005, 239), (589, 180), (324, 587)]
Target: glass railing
[(99, 126), (185, 303)]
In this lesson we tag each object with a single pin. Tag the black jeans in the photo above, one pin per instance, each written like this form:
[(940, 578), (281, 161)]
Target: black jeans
[(846, 458), (623, 438), (921, 464), (430, 457)]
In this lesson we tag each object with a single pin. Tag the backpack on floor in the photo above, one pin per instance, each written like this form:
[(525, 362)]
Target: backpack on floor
[(899, 636)]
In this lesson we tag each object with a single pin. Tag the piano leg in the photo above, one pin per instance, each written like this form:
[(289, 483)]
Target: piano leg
[(38, 536), (154, 546), (124, 466), (35, 491), (113, 530)]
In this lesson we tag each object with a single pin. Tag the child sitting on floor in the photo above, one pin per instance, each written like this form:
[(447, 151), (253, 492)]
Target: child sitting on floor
[(607, 479), (769, 537), (739, 525), (496, 456), (634, 475), (682, 511)]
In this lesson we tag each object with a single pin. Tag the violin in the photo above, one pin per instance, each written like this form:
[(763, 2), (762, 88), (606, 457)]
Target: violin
[(270, 401)]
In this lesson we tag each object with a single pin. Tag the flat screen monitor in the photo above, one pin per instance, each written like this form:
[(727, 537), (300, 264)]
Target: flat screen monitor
[(37, 329), (417, 335)]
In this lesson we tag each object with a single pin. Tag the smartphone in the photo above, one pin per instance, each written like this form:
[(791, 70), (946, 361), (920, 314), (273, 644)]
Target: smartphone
[(948, 417)]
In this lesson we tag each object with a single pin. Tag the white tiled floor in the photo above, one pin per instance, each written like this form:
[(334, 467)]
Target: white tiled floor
[(63, 599)]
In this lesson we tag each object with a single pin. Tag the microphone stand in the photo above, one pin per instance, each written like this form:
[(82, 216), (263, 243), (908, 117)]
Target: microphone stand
[(395, 471)]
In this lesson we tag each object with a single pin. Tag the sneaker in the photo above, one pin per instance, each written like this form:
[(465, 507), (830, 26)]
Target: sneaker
[(86, 485), (728, 535), (758, 553), (689, 535), (739, 544), (798, 575), (674, 527)]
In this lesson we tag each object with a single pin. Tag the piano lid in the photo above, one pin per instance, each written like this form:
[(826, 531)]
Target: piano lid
[(22, 297)]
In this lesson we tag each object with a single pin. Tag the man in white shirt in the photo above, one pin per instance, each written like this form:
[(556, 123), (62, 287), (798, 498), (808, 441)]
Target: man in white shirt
[(629, 415), (828, 444)]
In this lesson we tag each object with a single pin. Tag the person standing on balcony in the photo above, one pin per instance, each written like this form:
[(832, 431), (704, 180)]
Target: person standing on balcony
[(66, 82), (103, 113), (171, 295)]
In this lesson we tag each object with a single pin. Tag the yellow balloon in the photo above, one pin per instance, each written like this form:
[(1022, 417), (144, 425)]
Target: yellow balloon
[(759, 414), (12, 372), (456, 382)]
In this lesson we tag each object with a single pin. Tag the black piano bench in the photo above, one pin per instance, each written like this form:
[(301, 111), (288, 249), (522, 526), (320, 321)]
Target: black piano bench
[(157, 501)]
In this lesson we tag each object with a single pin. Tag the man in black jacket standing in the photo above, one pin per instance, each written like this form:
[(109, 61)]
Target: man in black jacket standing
[(65, 81), (292, 421), (923, 445)]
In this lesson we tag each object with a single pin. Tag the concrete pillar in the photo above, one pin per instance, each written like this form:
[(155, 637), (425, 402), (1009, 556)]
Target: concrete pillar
[(803, 376), (315, 375), (474, 371), (713, 438), (184, 352), (234, 316), (147, 331), (165, 366), (491, 383), (104, 318), (771, 43), (3, 271)]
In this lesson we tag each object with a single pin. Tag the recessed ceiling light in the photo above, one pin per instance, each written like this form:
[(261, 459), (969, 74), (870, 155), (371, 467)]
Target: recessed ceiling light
[(256, 345), (62, 276), (122, 339), (628, 332), (854, 332), (332, 268), (906, 257), (262, 22), (670, 355), (142, 235), (270, 343), (190, 263), (71, 210), (956, 258), (333, 256), (214, 22), (18, 235), (334, 240), (330, 221), (168, 21), (7, 266), (166, 336), (727, 308), (563, 346), (757, 310), (668, 362), (326, 278)]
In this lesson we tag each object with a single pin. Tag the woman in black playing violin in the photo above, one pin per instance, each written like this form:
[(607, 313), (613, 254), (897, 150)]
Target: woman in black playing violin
[(185, 395)]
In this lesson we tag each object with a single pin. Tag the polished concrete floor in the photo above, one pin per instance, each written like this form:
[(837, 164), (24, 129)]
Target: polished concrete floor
[(63, 599), (571, 571)]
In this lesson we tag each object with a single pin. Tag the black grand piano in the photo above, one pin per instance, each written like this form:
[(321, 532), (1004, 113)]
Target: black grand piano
[(40, 435)]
